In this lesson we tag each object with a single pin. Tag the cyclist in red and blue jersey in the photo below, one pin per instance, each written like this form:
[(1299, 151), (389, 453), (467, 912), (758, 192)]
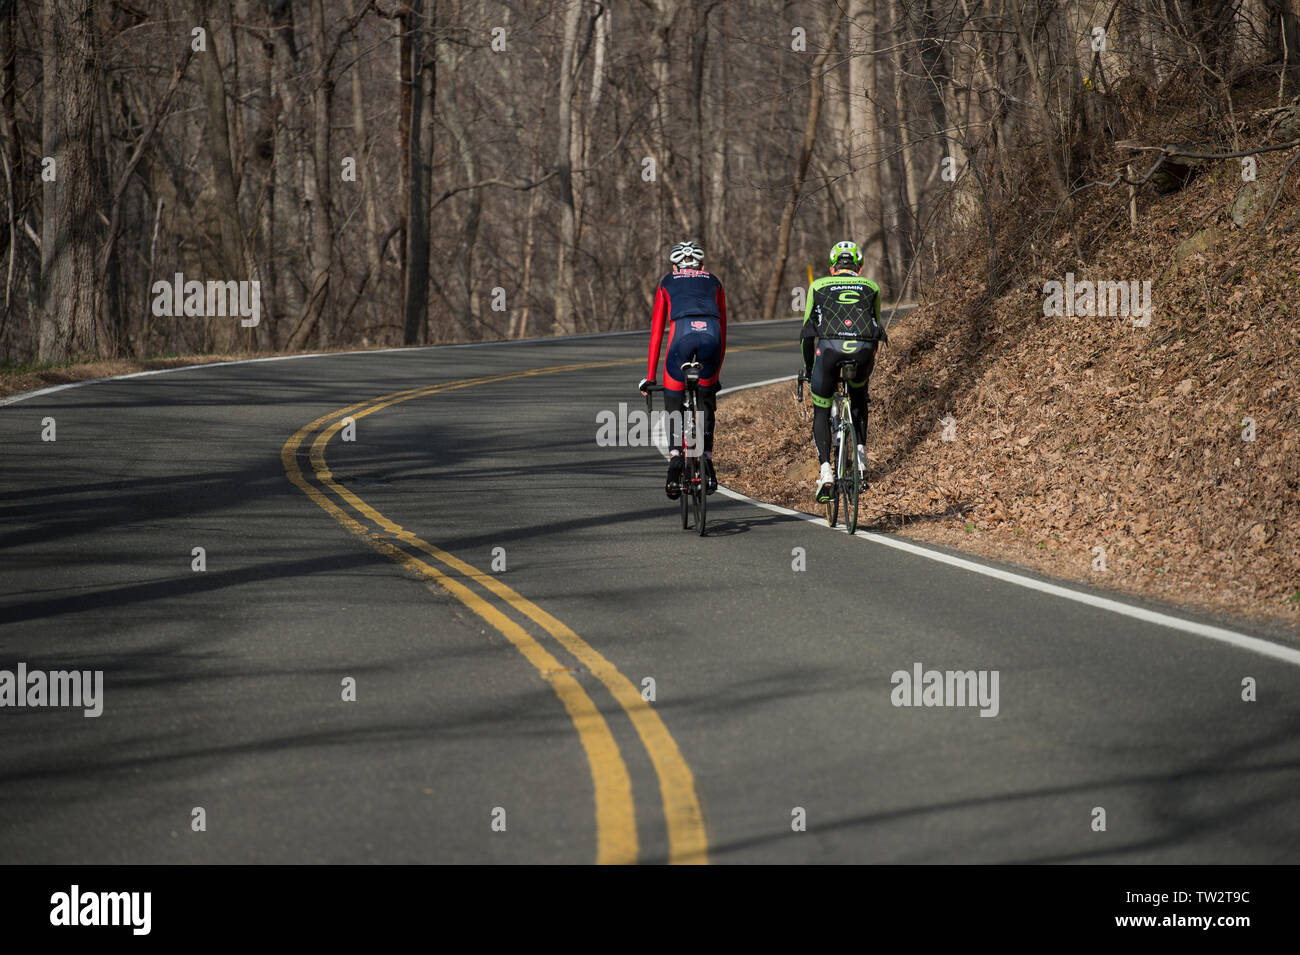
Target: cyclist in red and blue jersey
[(691, 303)]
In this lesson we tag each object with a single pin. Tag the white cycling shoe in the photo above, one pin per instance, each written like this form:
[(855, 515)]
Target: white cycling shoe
[(825, 484)]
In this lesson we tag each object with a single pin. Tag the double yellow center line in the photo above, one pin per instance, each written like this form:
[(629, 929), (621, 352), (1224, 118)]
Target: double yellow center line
[(487, 596)]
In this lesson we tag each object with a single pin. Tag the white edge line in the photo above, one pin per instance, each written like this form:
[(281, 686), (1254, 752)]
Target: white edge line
[(1244, 641)]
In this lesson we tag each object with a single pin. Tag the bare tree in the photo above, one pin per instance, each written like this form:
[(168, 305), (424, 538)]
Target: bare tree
[(574, 141), (801, 168), (419, 26), (69, 233)]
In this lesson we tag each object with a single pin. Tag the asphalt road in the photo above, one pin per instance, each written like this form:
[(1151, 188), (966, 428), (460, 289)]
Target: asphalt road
[(500, 714)]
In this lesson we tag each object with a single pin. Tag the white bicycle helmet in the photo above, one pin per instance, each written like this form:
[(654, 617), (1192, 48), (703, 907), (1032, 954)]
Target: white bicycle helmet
[(842, 253), (686, 255)]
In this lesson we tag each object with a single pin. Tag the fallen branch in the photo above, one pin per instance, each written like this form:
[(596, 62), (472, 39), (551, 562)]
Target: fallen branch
[(1278, 195), (1183, 154)]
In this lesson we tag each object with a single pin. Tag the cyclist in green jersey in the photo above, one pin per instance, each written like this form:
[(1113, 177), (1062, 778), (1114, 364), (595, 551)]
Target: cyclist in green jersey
[(841, 323)]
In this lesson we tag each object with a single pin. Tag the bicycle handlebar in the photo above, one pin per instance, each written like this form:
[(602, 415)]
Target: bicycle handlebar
[(649, 402)]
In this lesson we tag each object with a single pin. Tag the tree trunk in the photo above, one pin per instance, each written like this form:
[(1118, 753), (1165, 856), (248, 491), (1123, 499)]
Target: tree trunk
[(717, 201), (468, 308), (419, 160), (665, 12), (887, 220), (909, 196), (837, 156), (232, 256), (314, 316), (863, 145), (1042, 106), (365, 168), (16, 180), (70, 228), (564, 317), (582, 157), (700, 44), (1285, 27), (796, 186), (108, 266), (521, 329)]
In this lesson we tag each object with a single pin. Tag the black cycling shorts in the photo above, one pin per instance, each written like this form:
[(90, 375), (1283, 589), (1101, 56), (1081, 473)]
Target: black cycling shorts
[(831, 354)]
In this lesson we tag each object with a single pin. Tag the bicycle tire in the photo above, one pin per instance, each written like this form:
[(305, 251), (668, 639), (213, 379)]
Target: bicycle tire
[(688, 472), (852, 490), (702, 496), (696, 487), (683, 497), (841, 489), (833, 504)]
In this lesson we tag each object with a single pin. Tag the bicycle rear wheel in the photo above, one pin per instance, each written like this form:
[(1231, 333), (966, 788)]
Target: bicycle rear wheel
[(852, 487), (841, 487), (686, 493), (701, 495), (833, 503)]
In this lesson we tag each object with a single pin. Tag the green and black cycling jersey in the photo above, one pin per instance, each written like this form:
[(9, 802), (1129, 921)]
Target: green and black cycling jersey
[(840, 307)]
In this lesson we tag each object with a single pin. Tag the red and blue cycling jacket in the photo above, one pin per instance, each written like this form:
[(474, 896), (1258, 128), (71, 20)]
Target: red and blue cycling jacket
[(686, 294)]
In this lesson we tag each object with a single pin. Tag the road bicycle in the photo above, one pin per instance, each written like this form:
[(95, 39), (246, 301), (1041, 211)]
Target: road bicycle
[(849, 480), (694, 496)]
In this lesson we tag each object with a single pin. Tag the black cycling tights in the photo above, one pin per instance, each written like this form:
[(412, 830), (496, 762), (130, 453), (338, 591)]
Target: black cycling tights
[(706, 401), (831, 353), (822, 423)]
